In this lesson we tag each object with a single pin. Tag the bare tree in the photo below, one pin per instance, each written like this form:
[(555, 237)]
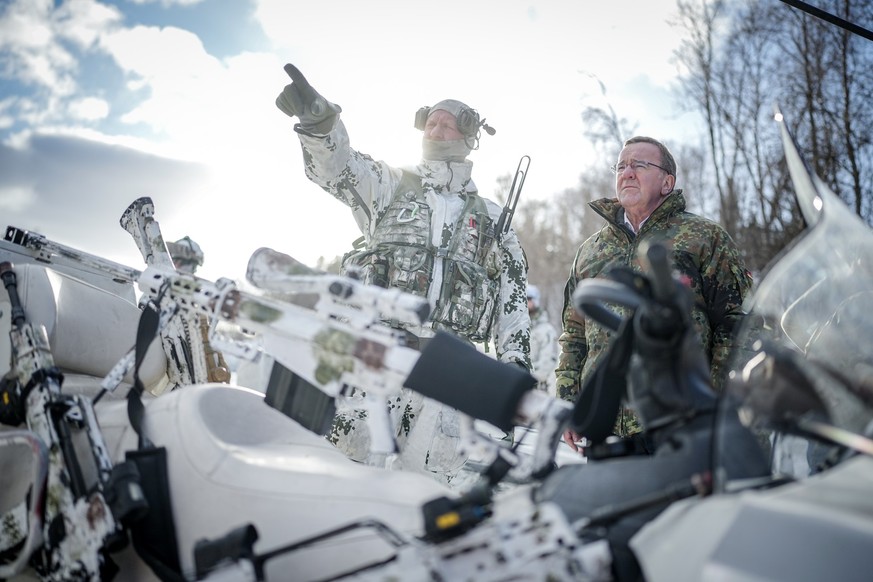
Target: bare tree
[(551, 230), (603, 126), (832, 76), (742, 58)]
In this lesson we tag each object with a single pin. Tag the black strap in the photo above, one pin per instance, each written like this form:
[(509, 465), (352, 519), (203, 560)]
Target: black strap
[(153, 534), (145, 335), (597, 406)]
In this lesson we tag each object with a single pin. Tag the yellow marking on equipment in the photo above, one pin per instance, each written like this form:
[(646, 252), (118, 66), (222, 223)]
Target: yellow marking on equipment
[(448, 520)]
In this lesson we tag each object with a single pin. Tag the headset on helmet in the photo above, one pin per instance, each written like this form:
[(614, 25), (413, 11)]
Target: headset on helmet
[(466, 118)]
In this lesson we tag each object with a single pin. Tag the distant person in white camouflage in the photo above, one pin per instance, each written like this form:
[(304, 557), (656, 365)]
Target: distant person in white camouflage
[(426, 230), (187, 258), (186, 254), (543, 342)]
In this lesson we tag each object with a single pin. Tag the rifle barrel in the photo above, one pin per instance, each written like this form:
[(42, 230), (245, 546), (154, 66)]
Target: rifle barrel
[(10, 281), (46, 251)]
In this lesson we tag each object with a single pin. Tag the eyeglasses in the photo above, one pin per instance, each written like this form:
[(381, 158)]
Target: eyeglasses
[(637, 165)]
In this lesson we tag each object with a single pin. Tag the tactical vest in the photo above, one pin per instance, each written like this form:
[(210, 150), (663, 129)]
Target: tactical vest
[(400, 254)]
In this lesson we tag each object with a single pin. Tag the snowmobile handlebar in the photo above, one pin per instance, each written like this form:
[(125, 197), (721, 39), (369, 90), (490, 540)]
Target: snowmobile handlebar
[(669, 377), (657, 261), (592, 295), (663, 301)]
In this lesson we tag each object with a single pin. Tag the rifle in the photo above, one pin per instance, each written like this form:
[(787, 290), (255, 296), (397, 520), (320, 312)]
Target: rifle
[(332, 335), (346, 298), (193, 360), (331, 346), (190, 358), (78, 524)]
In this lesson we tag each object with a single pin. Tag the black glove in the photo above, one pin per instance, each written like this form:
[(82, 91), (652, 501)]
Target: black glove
[(317, 114)]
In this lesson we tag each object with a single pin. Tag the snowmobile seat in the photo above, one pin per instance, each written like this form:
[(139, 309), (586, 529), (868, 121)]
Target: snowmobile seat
[(89, 329), (232, 459)]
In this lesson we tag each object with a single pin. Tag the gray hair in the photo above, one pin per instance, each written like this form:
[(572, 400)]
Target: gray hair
[(666, 157)]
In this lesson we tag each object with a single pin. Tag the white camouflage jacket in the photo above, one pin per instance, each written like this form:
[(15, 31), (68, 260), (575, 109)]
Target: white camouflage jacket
[(544, 351), (367, 187)]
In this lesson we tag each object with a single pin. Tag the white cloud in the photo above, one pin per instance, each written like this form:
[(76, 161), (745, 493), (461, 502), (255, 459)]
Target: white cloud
[(89, 109), (34, 55), (25, 25), (16, 199), (159, 54), (168, 2), (83, 21), (184, 82)]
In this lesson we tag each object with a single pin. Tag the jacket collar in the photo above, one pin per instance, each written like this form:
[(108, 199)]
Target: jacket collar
[(609, 208)]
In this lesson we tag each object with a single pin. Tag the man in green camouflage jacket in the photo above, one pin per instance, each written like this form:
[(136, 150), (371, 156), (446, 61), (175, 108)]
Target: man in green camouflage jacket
[(426, 231), (648, 209)]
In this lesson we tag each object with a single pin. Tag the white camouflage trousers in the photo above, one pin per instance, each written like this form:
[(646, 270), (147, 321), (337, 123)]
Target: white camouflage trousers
[(427, 433)]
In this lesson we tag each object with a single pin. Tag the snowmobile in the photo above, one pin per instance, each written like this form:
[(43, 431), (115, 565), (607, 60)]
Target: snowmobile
[(246, 492)]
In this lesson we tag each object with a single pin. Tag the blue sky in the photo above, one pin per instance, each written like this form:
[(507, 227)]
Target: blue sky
[(104, 102)]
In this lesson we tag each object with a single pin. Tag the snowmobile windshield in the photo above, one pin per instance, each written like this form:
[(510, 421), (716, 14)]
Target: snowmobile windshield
[(803, 379)]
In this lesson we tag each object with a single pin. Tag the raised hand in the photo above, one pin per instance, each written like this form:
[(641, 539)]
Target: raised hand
[(299, 99)]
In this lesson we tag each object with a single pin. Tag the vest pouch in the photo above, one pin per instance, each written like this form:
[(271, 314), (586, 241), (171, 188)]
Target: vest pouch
[(406, 221), (475, 237), (468, 300), (410, 269), (371, 267)]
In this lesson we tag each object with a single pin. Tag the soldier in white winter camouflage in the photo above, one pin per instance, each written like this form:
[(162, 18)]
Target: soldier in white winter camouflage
[(426, 231), (543, 341)]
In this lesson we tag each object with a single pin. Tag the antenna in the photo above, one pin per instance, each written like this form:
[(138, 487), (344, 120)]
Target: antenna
[(514, 194)]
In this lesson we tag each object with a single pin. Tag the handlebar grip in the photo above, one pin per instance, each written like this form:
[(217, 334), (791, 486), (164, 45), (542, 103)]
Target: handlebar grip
[(475, 384), (591, 294)]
